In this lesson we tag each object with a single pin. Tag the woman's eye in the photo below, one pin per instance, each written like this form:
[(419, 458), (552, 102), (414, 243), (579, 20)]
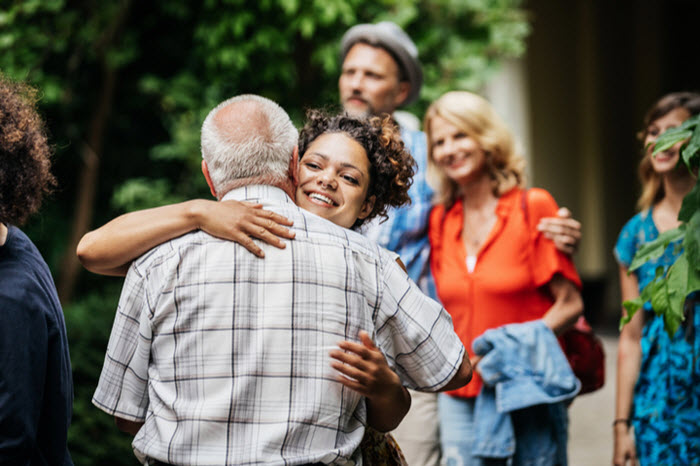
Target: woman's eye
[(460, 135), (312, 165), (653, 131), (351, 179)]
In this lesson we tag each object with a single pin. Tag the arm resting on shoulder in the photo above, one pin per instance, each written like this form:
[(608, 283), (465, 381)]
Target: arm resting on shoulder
[(629, 357), (110, 249), (567, 307), (563, 230)]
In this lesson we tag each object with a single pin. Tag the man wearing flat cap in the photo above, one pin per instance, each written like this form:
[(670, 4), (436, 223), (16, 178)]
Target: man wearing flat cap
[(381, 73)]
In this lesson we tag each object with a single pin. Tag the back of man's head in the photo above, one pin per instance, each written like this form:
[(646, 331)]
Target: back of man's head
[(247, 139)]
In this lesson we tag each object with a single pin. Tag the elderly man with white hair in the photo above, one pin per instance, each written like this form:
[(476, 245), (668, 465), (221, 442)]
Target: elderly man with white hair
[(219, 357)]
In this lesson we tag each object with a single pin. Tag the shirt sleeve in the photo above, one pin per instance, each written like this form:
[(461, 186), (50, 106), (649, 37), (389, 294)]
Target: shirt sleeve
[(547, 259), (23, 353), (626, 246), (416, 333), (122, 390)]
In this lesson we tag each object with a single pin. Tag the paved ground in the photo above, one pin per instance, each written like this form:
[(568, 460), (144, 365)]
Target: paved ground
[(591, 415)]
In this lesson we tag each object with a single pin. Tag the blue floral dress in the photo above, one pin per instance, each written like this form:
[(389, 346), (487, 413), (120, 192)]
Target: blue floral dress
[(666, 406)]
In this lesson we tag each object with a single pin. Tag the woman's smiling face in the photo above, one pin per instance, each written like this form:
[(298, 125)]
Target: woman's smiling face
[(666, 161), (458, 154), (334, 179)]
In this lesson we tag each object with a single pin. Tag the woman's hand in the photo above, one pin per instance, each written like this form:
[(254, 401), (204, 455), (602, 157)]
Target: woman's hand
[(364, 369), (241, 222), (624, 450), (563, 230)]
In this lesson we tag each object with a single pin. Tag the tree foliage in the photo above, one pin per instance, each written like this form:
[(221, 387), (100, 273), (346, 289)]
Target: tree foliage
[(125, 86), (669, 291)]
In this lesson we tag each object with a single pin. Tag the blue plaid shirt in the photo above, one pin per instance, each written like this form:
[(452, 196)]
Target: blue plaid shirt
[(406, 230)]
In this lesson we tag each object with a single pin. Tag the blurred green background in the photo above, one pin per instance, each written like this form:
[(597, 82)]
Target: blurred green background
[(124, 88)]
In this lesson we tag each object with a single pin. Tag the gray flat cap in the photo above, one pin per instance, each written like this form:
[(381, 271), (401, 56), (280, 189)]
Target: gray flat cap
[(392, 38)]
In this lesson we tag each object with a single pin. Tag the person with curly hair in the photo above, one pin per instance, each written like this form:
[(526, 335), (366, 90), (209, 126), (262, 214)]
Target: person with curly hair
[(351, 170), (197, 298), (36, 387), (110, 249)]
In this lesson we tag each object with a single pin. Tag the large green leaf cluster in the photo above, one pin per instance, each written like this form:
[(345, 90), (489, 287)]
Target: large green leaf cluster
[(668, 292)]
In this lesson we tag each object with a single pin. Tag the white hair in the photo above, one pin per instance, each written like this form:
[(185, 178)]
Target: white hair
[(253, 144)]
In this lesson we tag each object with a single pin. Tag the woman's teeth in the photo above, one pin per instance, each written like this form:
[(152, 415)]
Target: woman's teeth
[(322, 198)]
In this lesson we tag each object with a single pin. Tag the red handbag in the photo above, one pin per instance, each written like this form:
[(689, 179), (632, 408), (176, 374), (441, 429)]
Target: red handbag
[(582, 347), (586, 356)]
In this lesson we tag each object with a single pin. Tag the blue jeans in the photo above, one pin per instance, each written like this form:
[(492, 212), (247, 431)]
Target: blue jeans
[(536, 436)]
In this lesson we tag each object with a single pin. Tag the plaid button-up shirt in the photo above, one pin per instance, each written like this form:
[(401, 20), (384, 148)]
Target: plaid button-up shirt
[(225, 355)]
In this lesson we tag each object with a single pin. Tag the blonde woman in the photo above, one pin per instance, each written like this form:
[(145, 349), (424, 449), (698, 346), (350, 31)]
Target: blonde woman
[(658, 389), (492, 268)]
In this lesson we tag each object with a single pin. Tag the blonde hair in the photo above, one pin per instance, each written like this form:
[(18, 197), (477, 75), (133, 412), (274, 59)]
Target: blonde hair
[(652, 188), (477, 118)]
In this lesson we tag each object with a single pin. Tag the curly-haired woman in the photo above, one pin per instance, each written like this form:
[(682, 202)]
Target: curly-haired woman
[(350, 171), (35, 374)]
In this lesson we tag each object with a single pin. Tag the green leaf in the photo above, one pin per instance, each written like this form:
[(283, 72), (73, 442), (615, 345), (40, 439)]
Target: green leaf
[(660, 300), (669, 138), (655, 249), (676, 287), (671, 323), (691, 203), (692, 150), (691, 242), (693, 280), (631, 306)]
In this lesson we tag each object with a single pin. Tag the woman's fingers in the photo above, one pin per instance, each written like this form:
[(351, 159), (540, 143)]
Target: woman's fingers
[(357, 348), (367, 341), (350, 359), (564, 232), (248, 243)]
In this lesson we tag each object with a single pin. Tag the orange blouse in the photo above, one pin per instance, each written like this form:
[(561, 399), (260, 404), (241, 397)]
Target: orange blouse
[(505, 286)]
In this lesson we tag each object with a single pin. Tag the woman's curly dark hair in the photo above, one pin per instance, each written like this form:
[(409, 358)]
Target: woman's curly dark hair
[(391, 166), (25, 156)]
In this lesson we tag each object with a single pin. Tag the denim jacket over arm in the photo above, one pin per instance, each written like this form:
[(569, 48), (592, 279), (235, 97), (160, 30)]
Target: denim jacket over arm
[(522, 366)]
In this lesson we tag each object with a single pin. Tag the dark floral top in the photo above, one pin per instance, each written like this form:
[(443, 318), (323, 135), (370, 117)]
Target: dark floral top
[(666, 405)]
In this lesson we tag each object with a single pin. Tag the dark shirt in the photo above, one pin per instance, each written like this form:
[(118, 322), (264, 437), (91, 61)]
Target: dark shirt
[(36, 387)]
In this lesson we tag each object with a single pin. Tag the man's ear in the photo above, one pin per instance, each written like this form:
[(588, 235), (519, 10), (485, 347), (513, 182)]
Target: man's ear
[(367, 207), (205, 171), (402, 95), (294, 167)]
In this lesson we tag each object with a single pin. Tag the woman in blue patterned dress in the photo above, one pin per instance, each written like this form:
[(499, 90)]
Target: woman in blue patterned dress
[(658, 377)]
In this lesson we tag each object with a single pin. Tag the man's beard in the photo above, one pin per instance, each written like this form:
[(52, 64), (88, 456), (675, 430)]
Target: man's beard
[(356, 112)]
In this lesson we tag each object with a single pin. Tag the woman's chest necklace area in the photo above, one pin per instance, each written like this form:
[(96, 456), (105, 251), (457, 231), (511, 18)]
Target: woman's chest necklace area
[(476, 227)]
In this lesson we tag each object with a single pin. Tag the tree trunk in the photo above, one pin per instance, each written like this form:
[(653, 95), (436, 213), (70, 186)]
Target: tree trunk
[(87, 188), (91, 152)]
